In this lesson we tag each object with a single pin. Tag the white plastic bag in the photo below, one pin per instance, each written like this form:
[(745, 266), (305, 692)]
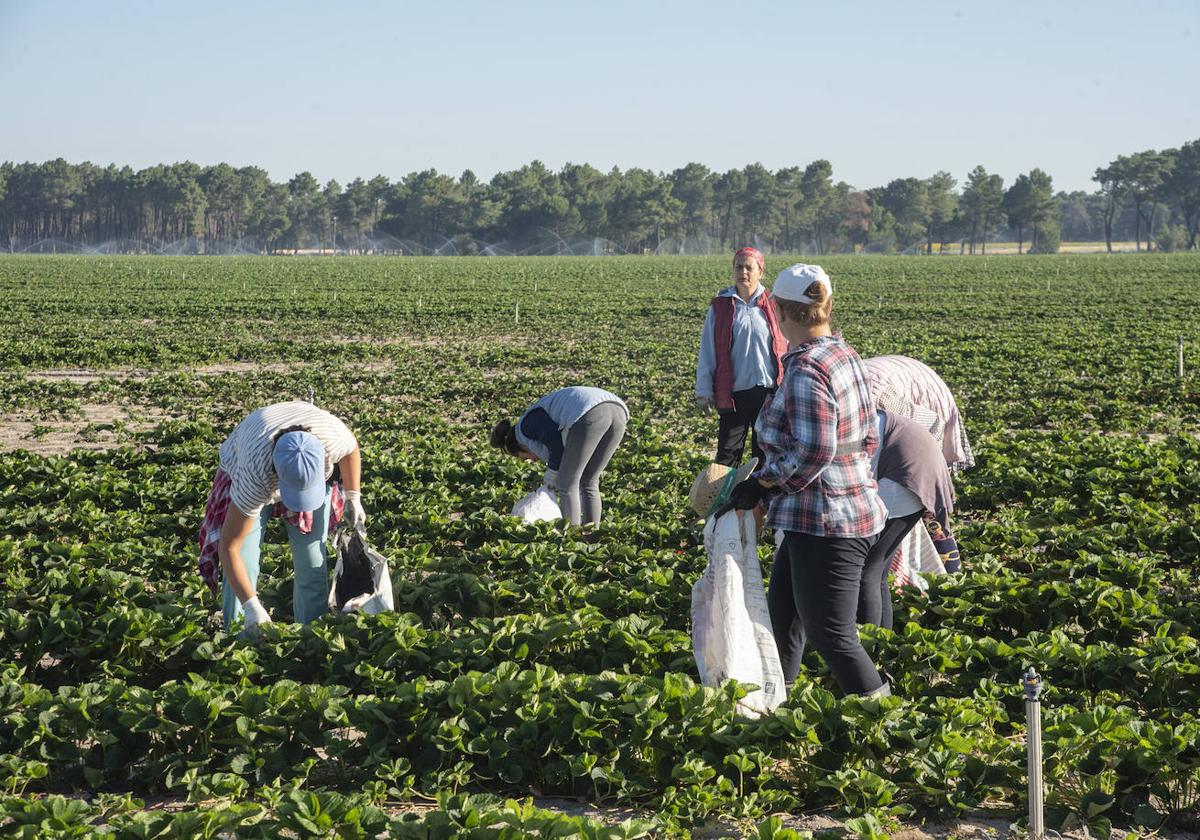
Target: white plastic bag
[(731, 626), (538, 506), (360, 580)]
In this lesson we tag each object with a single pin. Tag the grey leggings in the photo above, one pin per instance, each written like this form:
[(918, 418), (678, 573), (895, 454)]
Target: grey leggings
[(590, 445)]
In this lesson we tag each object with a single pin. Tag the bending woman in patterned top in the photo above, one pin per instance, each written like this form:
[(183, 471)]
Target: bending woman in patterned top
[(818, 433), (575, 432), (277, 462)]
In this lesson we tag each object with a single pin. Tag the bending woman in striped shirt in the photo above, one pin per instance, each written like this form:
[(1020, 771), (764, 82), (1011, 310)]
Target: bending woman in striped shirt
[(277, 462), (818, 433)]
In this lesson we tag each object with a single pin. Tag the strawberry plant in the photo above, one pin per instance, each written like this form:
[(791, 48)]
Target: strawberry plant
[(542, 660)]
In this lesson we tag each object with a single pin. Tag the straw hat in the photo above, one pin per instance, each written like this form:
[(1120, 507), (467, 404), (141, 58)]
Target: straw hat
[(713, 485)]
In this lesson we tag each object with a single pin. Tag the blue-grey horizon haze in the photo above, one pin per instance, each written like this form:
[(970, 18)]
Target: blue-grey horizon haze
[(357, 89)]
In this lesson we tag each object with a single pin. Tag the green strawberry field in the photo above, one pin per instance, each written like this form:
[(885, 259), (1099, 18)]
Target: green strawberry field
[(538, 680)]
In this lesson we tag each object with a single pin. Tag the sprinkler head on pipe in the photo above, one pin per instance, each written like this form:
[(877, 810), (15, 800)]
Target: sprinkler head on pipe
[(1032, 683)]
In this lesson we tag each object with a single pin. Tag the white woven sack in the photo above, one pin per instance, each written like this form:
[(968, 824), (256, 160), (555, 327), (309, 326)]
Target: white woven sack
[(538, 506), (731, 626)]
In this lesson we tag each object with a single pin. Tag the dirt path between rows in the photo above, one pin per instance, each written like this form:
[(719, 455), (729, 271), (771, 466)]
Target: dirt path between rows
[(99, 427), (85, 376)]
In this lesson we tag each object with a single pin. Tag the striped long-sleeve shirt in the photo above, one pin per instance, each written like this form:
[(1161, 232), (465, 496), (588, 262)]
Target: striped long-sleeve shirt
[(817, 434), (246, 454)]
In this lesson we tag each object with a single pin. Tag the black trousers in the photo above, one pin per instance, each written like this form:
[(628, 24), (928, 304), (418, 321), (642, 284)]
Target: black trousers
[(786, 626), (813, 595), (731, 433), (875, 598)]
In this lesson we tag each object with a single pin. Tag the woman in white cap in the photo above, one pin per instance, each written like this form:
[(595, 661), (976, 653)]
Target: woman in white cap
[(277, 462), (817, 433), (574, 431), (741, 355)]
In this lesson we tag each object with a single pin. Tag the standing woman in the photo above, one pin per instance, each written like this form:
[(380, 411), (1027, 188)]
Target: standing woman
[(818, 433), (574, 431), (741, 357), (277, 462)]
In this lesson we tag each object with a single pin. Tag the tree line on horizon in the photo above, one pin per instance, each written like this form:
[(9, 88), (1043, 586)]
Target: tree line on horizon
[(1150, 197)]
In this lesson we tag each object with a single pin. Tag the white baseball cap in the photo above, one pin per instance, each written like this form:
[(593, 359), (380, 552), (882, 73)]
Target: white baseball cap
[(792, 283)]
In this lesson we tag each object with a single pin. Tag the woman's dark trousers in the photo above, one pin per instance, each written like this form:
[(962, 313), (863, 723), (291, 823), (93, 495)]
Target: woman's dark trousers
[(735, 423), (875, 598), (813, 595)]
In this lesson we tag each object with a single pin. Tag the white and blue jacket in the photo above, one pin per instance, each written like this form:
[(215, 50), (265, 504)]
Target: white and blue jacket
[(544, 426), (753, 362)]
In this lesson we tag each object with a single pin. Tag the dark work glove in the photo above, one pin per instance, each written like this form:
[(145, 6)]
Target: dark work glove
[(745, 496), (748, 494)]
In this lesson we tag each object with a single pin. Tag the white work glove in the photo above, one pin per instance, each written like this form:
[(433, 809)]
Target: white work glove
[(704, 405), (356, 517), (255, 616), (550, 482)]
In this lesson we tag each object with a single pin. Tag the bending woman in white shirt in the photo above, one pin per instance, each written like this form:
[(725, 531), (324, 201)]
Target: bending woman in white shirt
[(277, 462), (913, 482)]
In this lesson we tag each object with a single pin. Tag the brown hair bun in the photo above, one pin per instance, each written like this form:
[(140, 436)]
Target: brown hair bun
[(811, 314), (504, 436)]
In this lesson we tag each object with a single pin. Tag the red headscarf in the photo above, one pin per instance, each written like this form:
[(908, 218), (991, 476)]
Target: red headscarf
[(753, 252)]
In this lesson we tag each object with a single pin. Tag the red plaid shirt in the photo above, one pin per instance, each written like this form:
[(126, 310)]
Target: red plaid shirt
[(817, 433)]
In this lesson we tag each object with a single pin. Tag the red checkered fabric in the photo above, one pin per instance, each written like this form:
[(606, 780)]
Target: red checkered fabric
[(754, 254), (899, 568), (214, 520)]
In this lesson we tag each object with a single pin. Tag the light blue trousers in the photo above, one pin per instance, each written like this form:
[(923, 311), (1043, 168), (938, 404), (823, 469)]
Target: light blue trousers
[(310, 594)]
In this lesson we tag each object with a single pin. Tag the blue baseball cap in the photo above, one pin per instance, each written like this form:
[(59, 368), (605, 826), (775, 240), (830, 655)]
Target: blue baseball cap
[(299, 460)]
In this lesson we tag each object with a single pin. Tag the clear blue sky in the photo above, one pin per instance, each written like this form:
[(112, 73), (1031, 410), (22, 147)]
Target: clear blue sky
[(881, 89)]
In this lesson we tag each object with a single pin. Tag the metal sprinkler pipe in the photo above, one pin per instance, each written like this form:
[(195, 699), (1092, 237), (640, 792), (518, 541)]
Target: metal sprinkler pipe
[(1032, 683)]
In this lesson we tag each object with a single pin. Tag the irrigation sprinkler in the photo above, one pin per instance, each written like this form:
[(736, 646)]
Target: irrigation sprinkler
[(517, 312), (1179, 357), (1032, 683), (310, 394)]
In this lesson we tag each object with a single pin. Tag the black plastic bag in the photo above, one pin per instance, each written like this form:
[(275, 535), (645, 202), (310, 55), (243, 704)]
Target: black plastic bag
[(360, 579)]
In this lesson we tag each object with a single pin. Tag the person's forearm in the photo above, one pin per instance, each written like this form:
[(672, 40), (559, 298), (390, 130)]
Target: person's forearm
[(706, 359), (234, 531), (235, 572), (351, 469), (794, 470)]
